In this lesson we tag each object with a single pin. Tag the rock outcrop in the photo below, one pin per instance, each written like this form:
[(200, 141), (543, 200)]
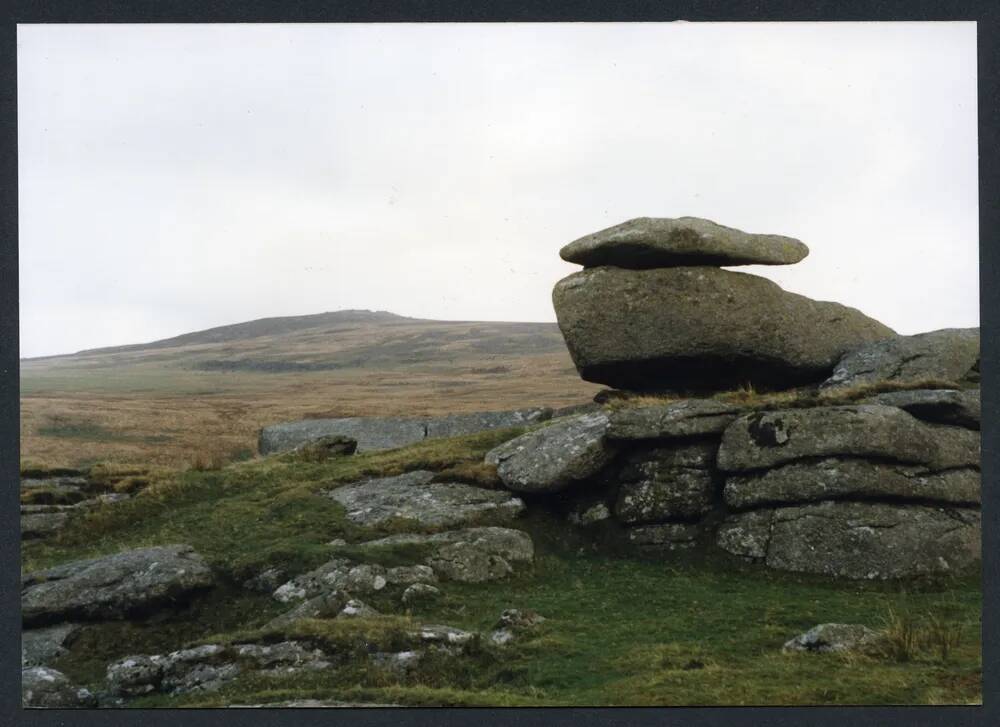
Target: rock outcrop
[(413, 497), (45, 687), (114, 586), (701, 329), (377, 433)]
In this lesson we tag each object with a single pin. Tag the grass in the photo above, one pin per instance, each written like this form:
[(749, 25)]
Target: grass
[(619, 631)]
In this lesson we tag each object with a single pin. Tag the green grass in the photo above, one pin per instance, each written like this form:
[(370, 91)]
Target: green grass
[(91, 432), (675, 630)]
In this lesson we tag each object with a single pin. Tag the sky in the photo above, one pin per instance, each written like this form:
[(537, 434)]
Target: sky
[(178, 177)]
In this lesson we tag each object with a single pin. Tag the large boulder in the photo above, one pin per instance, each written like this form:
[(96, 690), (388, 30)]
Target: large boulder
[(950, 354), (961, 407), (555, 457), (659, 242), (470, 555), (701, 329), (767, 439), (48, 688), (413, 497), (673, 420), (113, 586), (857, 540), (835, 478)]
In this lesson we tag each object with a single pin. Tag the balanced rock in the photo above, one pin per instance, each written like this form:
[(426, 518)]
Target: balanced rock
[(835, 478), (701, 329), (554, 457), (113, 586), (767, 439), (949, 354), (659, 242), (412, 496), (857, 540)]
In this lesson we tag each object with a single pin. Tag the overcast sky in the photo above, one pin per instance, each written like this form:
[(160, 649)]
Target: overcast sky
[(178, 177)]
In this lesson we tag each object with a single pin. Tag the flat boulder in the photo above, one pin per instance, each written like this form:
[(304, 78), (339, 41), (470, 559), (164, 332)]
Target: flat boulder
[(857, 540), (413, 497), (961, 407), (767, 439), (949, 354), (659, 242), (48, 688), (555, 457), (701, 329), (470, 555), (113, 586), (837, 478), (673, 420), (834, 638)]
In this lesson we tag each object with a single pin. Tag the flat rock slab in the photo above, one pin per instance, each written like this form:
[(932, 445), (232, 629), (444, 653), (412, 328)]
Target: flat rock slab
[(857, 540), (39, 647), (673, 420), (659, 242), (413, 497), (701, 329), (378, 433), (113, 586), (961, 407), (555, 457), (470, 555), (950, 354), (834, 638), (764, 440), (835, 478)]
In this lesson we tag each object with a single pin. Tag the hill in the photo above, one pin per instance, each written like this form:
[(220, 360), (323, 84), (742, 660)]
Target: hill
[(206, 393)]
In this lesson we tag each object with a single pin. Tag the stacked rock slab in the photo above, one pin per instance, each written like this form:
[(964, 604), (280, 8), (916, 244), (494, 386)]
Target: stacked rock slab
[(653, 310), (865, 491)]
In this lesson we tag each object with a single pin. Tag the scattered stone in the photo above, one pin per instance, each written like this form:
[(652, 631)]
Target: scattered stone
[(266, 581), (283, 655), (405, 575), (665, 536), (357, 609), (677, 419), (336, 574), (113, 586), (949, 354), (398, 662), (659, 242), (412, 496), (48, 688), (835, 478), (39, 525), (39, 647), (701, 329), (766, 439), (555, 457), (322, 448), (136, 675), (519, 619), (420, 593), (943, 406), (439, 634), (829, 638), (857, 540), (326, 605), (471, 555)]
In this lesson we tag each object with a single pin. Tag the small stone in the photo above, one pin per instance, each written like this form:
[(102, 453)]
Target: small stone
[(420, 593), (357, 609), (833, 637)]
